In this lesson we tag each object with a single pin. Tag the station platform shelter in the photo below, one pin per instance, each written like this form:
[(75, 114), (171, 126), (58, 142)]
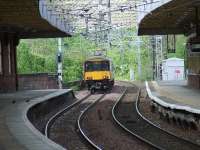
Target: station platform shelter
[(25, 19), (175, 17)]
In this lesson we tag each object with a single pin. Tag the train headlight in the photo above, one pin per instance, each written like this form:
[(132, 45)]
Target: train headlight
[(105, 77), (89, 78)]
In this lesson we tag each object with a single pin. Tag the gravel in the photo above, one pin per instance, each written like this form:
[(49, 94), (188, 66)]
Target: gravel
[(64, 130), (186, 133), (81, 94), (101, 128)]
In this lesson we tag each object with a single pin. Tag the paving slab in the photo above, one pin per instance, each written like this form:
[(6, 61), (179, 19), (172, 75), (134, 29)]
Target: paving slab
[(16, 131), (175, 95)]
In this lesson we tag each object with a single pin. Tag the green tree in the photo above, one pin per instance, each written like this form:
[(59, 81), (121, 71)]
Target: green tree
[(39, 55)]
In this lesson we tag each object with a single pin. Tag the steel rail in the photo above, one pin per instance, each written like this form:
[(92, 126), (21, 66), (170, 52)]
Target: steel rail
[(59, 113), (165, 131), (80, 118), (125, 128), (149, 122)]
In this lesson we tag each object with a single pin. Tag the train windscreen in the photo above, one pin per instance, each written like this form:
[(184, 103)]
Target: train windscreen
[(97, 66)]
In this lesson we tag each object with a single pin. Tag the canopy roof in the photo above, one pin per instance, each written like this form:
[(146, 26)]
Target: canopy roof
[(174, 17), (23, 17)]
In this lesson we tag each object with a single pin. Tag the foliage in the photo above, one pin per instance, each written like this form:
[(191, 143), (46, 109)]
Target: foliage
[(39, 55), (28, 62), (180, 47)]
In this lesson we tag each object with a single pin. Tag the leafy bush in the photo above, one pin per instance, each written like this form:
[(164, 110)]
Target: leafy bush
[(40, 55)]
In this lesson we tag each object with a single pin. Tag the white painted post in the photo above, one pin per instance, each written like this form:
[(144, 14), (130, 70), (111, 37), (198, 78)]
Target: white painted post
[(139, 58), (59, 63)]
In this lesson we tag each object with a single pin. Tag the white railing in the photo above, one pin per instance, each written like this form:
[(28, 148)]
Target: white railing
[(148, 7), (51, 15)]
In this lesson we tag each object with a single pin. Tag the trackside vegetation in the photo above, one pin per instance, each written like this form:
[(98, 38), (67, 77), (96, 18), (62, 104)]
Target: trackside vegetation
[(39, 55)]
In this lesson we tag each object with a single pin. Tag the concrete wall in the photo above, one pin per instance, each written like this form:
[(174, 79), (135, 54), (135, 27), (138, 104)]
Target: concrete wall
[(40, 113), (37, 81)]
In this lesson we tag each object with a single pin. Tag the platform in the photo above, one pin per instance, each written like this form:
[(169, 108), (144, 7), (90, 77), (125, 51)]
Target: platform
[(16, 132), (174, 95)]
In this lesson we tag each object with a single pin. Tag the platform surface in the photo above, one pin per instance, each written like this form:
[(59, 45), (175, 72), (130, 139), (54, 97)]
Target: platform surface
[(176, 94), (16, 132)]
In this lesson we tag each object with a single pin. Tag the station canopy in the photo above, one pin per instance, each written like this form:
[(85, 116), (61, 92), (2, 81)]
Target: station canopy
[(59, 18), (91, 14), (174, 17), (23, 18)]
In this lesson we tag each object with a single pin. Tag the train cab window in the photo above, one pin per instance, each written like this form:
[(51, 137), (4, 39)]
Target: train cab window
[(97, 66)]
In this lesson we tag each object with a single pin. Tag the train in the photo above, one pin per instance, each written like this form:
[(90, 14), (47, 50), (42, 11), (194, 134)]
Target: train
[(98, 73)]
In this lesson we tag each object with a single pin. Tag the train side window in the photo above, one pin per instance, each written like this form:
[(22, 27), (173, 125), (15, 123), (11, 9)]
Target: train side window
[(195, 47), (1, 69)]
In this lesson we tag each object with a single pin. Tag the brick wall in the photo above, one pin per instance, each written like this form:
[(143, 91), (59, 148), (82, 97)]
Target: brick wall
[(194, 81), (7, 83), (37, 81)]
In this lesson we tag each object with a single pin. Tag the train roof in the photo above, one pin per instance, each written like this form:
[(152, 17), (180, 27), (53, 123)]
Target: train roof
[(97, 58)]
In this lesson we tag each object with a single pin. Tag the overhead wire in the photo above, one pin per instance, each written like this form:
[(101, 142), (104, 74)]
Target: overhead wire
[(79, 10)]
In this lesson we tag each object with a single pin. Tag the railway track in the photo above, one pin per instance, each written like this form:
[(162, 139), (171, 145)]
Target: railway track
[(68, 129), (63, 127), (123, 125), (132, 121), (81, 117), (100, 129)]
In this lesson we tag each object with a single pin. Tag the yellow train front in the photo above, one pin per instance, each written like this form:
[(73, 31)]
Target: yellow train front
[(98, 73)]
